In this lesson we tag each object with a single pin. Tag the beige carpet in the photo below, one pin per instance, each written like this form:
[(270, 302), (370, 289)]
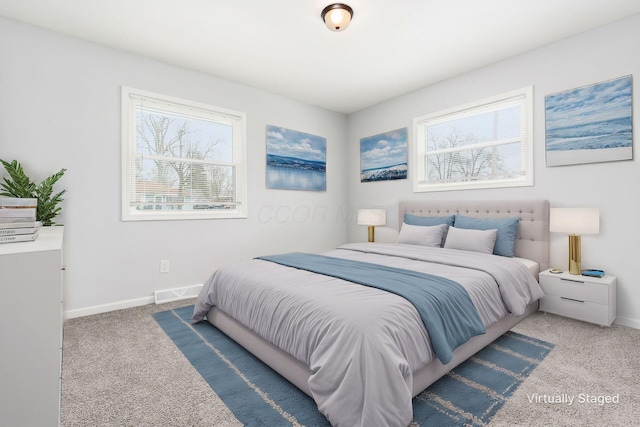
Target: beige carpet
[(120, 369)]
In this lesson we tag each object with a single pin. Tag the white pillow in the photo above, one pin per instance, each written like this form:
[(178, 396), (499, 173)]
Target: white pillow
[(423, 235), (465, 239)]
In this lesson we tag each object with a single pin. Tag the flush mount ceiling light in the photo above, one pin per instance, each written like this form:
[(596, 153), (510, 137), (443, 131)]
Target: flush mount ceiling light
[(337, 16)]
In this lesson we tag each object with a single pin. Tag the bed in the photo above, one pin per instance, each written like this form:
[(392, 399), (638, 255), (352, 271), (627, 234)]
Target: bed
[(361, 352)]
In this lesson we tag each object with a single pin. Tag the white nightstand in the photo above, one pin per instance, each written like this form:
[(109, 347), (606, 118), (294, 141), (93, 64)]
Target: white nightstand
[(590, 299)]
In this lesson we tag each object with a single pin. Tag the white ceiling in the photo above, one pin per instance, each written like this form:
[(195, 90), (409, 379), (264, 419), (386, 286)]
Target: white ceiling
[(282, 46)]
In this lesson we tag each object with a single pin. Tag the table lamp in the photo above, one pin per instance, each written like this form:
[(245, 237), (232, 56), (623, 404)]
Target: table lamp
[(372, 217), (574, 221)]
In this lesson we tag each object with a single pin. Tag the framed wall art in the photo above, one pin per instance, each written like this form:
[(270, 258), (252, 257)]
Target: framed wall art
[(590, 124), (296, 160), (384, 156)]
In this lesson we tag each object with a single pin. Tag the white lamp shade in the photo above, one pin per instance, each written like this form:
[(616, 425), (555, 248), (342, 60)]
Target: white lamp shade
[(574, 220), (372, 217)]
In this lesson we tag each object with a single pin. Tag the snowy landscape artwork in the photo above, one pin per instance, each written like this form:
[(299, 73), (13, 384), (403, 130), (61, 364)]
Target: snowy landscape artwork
[(295, 160), (590, 124), (384, 156)]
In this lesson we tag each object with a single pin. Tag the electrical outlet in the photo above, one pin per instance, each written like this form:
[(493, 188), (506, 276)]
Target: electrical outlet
[(164, 266)]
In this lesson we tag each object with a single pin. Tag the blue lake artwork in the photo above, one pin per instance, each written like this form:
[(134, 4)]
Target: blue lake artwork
[(384, 156), (590, 124), (295, 160)]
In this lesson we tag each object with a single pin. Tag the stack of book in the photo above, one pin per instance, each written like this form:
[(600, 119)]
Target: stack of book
[(18, 220)]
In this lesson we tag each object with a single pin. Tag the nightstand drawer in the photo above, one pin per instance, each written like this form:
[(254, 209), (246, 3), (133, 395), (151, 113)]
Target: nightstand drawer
[(575, 289), (581, 310)]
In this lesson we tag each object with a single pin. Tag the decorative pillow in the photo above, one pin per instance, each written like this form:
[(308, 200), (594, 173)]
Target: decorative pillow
[(428, 220), (481, 241), (423, 235), (507, 230)]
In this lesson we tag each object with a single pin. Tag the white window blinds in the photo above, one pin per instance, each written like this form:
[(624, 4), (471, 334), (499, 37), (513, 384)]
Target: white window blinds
[(181, 159), (480, 145)]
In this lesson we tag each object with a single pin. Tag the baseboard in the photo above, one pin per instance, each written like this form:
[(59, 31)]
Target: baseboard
[(625, 321), (175, 294), (104, 308)]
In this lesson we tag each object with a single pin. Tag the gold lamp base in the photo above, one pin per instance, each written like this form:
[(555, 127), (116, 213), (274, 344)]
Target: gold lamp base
[(371, 233), (574, 254)]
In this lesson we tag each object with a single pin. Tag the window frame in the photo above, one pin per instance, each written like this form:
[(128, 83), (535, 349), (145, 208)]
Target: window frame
[(524, 96), (129, 134)]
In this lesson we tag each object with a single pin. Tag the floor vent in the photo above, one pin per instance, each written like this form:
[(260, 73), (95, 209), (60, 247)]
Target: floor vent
[(168, 295)]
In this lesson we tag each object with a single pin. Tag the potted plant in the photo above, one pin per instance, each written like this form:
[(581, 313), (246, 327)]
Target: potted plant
[(20, 185)]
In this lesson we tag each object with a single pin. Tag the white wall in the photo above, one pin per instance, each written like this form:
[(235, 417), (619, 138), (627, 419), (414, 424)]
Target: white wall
[(60, 107), (595, 56)]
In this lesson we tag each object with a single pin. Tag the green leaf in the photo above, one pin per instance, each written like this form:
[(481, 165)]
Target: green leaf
[(19, 185)]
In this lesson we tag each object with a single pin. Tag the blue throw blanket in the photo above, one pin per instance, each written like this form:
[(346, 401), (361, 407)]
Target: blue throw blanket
[(444, 306)]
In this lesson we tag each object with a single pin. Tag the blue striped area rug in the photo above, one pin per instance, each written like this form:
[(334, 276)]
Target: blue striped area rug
[(470, 395)]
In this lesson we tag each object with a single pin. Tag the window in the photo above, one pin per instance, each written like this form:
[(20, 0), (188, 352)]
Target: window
[(484, 144), (181, 159)]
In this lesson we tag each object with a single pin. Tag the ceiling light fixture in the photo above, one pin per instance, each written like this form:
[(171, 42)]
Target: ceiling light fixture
[(337, 16)]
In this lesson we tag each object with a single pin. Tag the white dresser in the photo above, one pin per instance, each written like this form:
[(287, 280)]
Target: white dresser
[(31, 317), (585, 298)]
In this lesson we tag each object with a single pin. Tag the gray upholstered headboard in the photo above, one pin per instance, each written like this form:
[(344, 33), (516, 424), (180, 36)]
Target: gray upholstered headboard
[(532, 241)]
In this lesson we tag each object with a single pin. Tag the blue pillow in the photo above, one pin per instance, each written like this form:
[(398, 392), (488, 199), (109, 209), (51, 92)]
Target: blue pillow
[(507, 230), (428, 220)]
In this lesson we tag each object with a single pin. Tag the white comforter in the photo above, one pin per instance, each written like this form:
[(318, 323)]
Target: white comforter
[(361, 344)]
